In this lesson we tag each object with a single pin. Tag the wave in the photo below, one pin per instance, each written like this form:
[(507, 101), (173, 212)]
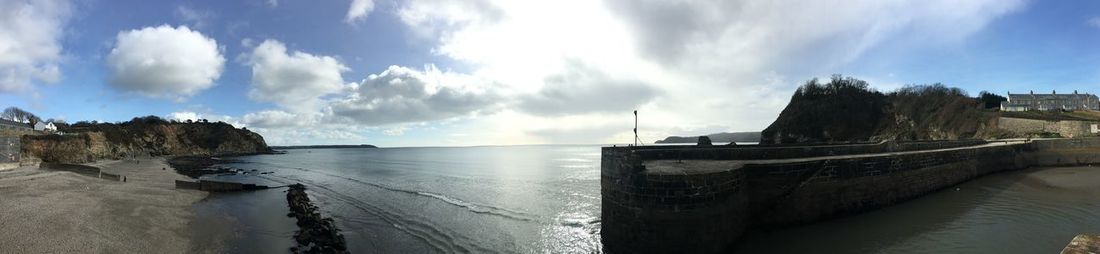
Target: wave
[(440, 239), (470, 206)]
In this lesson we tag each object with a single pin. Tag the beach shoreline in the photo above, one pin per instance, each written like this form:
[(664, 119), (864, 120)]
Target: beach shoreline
[(60, 211)]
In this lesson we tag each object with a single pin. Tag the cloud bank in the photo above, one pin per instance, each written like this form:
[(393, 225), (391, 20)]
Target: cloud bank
[(403, 95)]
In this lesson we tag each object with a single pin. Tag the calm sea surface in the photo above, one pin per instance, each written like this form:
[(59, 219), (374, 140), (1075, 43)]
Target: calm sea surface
[(546, 199), (514, 199)]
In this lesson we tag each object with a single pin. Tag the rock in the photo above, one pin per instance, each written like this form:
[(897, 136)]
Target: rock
[(316, 234), (703, 141)]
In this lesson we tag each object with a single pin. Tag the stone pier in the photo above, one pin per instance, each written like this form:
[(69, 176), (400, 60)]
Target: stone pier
[(701, 199)]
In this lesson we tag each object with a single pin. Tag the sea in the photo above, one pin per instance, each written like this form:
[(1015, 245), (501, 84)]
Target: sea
[(488, 199), (546, 199)]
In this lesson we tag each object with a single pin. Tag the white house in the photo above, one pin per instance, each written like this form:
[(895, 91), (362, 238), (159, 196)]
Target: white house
[(48, 127)]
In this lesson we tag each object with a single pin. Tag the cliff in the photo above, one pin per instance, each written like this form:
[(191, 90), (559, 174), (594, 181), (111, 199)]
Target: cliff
[(92, 142), (723, 137), (846, 110)]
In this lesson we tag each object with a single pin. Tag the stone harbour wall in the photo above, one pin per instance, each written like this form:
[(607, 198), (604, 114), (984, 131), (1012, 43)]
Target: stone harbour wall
[(801, 192), (707, 212), (666, 213)]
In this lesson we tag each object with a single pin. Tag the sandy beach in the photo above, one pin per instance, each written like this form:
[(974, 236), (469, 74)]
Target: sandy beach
[(45, 211)]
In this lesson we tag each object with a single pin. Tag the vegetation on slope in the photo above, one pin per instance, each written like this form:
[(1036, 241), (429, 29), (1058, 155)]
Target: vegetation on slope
[(846, 109), (141, 136)]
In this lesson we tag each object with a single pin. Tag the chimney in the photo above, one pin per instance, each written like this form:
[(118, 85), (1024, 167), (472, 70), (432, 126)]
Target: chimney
[(1032, 92), (1053, 92), (1074, 92)]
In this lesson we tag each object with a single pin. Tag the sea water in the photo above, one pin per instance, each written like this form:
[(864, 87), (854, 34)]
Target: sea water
[(492, 199), (546, 199)]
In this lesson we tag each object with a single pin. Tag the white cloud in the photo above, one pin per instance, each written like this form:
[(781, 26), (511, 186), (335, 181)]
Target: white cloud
[(164, 62), (536, 77), (295, 81), (713, 63), (396, 131), (359, 10), (183, 116), (403, 95), (581, 89), (1094, 22), (278, 119), (197, 18), (272, 3), (29, 42)]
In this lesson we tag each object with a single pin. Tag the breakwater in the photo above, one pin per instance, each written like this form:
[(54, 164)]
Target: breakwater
[(83, 170), (217, 186), (316, 234), (695, 199)]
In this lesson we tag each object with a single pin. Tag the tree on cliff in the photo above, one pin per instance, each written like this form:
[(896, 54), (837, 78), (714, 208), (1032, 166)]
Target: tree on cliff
[(990, 100), (847, 110), (20, 115), (842, 109)]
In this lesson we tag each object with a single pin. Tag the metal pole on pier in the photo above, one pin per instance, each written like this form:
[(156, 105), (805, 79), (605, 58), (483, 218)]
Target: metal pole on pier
[(635, 127)]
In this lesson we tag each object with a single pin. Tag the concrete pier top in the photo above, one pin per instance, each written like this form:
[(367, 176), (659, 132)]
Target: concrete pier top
[(1083, 244), (690, 167)]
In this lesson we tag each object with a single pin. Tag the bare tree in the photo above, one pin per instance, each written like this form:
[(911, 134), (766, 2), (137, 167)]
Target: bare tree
[(20, 115)]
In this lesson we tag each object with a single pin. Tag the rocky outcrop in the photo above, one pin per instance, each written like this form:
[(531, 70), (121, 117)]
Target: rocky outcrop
[(315, 233), (847, 110), (703, 141), (117, 141)]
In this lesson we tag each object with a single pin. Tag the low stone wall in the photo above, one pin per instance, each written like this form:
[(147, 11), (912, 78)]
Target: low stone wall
[(217, 186), (180, 184), (1069, 129), (707, 212), (81, 169)]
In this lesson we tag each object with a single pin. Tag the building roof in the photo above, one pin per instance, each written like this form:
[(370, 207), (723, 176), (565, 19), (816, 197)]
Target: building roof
[(1050, 96)]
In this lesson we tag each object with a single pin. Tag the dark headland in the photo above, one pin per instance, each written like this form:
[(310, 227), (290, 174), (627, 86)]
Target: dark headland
[(839, 148)]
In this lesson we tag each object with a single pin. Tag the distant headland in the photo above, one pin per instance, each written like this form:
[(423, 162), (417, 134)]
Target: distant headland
[(323, 146), (721, 137)]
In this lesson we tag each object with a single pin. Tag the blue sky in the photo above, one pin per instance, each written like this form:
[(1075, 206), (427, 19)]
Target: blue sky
[(442, 73)]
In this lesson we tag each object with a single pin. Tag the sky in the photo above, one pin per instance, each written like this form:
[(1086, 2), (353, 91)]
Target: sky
[(489, 72)]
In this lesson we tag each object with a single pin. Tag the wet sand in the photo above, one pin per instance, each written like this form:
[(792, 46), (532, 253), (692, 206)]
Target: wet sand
[(44, 211), (1073, 178)]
